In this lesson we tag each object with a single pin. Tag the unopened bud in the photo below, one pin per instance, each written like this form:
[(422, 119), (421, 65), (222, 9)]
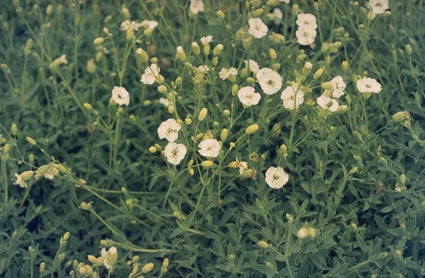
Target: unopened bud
[(307, 68), (224, 134), (31, 141), (344, 66), (263, 244), (272, 54), (14, 129), (318, 73), (295, 9), (402, 179), (195, 48), (126, 13), (218, 49), (147, 267), (98, 41), (251, 129), (327, 85), (220, 14), (202, 114), (207, 164), (401, 116), (91, 66)]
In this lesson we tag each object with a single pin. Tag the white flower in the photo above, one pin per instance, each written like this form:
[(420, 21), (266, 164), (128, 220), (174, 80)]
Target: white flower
[(276, 177), (196, 6), (227, 72), (327, 103), (175, 152), (242, 165), (338, 86), (19, 181), (292, 97), (206, 39), (276, 16), (270, 81), (257, 28), (248, 97), (151, 74), (305, 35), (109, 257), (307, 21), (169, 130), (127, 24), (378, 6), (209, 148), (203, 68), (149, 24), (368, 85), (120, 96), (252, 65), (164, 101)]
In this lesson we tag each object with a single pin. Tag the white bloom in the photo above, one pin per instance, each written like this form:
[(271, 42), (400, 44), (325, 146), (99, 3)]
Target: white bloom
[(120, 95), (378, 6), (338, 86), (151, 74), (209, 148), (252, 65), (270, 81), (206, 39), (305, 35), (242, 165), (149, 24), (276, 177), (203, 68), (19, 181), (164, 101), (169, 130), (196, 6), (248, 97), (109, 257), (327, 103), (127, 24), (175, 152), (276, 16), (292, 97), (368, 85), (227, 72), (257, 28), (307, 21)]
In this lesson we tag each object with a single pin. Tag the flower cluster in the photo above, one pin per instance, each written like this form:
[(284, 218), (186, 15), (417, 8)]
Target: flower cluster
[(173, 152), (328, 100), (306, 32)]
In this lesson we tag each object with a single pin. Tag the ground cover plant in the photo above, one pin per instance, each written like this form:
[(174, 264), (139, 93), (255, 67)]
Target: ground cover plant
[(257, 138)]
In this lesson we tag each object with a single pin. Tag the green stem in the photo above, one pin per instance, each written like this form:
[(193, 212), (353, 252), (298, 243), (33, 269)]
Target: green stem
[(5, 183)]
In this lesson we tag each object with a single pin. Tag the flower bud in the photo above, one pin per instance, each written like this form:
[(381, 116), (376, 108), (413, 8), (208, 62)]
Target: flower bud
[(126, 13), (14, 129), (295, 9), (195, 48), (344, 66), (220, 14), (235, 89), (401, 116), (302, 233), (263, 244), (277, 38), (130, 34), (112, 256), (152, 149), (202, 114), (91, 66), (402, 179), (98, 41), (162, 89), (327, 85), (218, 49), (272, 54), (318, 73), (307, 68), (87, 106), (251, 129), (49, 9), (207, 164), (224, 134), (31, 141), (147, 267), (142, 55)]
